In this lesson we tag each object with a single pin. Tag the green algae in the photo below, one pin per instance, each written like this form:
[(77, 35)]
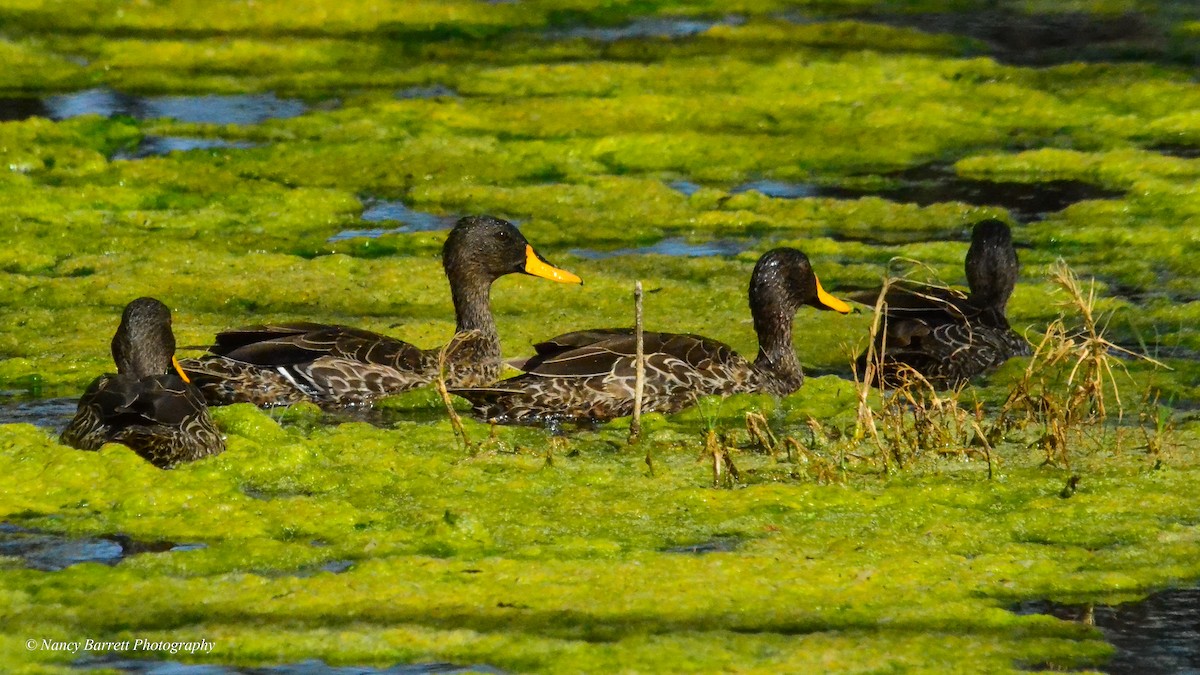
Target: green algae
[(532, 552)]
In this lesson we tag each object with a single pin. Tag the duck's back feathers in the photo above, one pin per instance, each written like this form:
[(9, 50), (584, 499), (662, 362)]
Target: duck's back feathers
[(946, 336), (590, 376), (330, 364), (162, 418)]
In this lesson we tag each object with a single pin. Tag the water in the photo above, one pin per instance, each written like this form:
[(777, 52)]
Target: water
[(1160, 634), (156, 146), (310, 667), (1177, 150), (714, 545), (1046, 38), (203, 109), (51, 413), (53, 552), (779, 189), (670, 28), (673, 246), (686, 187), (383, 211), (427, 91), (935, 183)]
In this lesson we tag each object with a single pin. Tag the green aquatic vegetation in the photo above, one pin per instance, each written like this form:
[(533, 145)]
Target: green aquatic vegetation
[(535, 552)]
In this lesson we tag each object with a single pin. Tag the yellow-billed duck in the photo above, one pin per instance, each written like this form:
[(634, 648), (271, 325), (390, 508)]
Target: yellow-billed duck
[(946, 337), (332, 364), (149, 405), (588, 376)]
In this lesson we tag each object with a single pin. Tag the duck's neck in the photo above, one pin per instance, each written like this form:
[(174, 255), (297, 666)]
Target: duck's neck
[(473, 311), (776, 357)]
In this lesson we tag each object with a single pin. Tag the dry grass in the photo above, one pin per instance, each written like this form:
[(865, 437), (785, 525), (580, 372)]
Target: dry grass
[(1070, 385), (913, 417)]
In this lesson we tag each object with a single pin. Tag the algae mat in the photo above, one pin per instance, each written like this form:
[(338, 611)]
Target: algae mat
[(251, 163)]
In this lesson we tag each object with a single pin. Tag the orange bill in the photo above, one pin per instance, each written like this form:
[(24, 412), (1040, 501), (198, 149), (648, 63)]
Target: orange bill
[(829, 302), (538, 267), (179, 369)]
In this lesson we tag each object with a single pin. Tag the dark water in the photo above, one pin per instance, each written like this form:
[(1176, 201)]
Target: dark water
[(933, 184), (672, 246), (384, 211), (1046, 38), (1177, 150), (670, 28), (204, 109), (311, 667), (1160, 634), (51, 413), (52, 552), (155, 146)]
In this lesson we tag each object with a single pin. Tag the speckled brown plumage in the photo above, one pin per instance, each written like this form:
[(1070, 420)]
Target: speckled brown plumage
[(338, 365), (589, 375), (946, 337), (146, 406)]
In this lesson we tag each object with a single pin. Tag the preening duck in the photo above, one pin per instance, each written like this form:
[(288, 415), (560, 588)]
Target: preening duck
[(332, 364), (944, 336), (149, 405), (589, 375)]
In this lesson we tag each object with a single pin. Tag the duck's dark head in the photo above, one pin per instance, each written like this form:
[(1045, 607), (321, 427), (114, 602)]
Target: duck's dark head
[(483, 248), (144, 345), (783, 281), (992, 265)]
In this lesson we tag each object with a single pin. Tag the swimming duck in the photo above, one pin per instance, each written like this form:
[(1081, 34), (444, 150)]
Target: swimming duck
[(946, 337), (588, 376), (149, 405), (331, 364)]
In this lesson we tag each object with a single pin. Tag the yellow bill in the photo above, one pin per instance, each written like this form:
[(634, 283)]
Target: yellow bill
[(535, 265), (830, 302), (179, 369)]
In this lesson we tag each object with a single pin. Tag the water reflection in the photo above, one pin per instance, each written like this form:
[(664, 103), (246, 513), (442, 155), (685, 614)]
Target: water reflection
[(386, 211), (673, 247), (156, 146), (53, 552), (204, 109), (670, 28)]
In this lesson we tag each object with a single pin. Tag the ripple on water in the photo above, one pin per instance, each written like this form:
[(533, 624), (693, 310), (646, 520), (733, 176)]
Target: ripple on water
[(50, 413), (203, 109), (673, 246), (1160, 634), (384, 211), (311, 667)]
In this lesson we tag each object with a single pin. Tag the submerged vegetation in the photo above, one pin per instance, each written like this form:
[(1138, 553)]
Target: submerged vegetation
[(860, 531)]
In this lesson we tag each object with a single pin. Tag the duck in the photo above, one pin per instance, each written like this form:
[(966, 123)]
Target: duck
[(589, 376), (149, 405), (945, 336), (335, 365)]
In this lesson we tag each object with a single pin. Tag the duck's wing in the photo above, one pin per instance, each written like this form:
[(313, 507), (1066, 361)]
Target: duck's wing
[(614, 351), (162, 418), (298, 343)]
